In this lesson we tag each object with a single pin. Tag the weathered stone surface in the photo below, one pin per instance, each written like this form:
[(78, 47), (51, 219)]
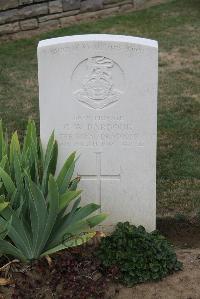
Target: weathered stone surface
[(67, 20), (23, 13), (58, 15), (8, 16), (49, 24), (99, 93), (138, 3), (55, 6), (91, 5), (9, 28), (108, 11), (6, 4), (33, 10), (71, 4), (112, 1), (24, 2), (97, 14), (29, 24), (86, 16), (118, 4), (126, 7)]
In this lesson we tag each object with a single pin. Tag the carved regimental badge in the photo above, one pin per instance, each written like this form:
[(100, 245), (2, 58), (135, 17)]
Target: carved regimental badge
[(101, 80)]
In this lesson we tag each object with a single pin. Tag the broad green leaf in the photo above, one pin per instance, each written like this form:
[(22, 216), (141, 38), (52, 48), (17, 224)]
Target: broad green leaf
[(47, 162), (95, 220), (17, 232), (85, 211), (3, 205), (35, 158), (61, 224), (34, 133), (15, 199), (18, 172), (3, 142), (38, 215), (8, 183), (67, 197), (53, 211), (71, 242), (7, 248), (76, 228), (77, 240), (54, 157), (2, 198), (14, 147), (66, 173), (71, 230), (28, 136), (4, 227), (3, 161), (41, 154), (74, 183), (70, 215)]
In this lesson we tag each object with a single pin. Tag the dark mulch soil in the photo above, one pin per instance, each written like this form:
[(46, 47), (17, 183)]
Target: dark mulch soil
[(71, 274)]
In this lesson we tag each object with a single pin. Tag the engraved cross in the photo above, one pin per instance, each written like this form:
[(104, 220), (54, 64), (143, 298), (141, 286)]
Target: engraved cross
[(99, 177)]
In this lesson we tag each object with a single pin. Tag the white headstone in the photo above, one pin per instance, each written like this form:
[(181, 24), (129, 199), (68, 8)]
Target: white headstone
[(99, 93)]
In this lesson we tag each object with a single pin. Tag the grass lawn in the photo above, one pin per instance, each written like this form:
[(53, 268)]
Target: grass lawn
[(176, 26)]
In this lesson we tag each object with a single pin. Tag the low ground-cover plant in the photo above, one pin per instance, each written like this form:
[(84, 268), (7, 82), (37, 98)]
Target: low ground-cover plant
[(35, 207), (136, 255)]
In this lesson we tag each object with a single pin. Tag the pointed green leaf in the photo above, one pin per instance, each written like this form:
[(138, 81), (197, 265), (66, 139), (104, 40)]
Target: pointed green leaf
[(8, 183), (14, 146), (76, 228), (28, 136), (7, 248), (61, 225), (95, 220), (54, 157), (74, 183), (3, 161), (17, 232), (84, 212), (1, 139), (66, 173), (78, 240), (53, 211), (4, 227), (3, 205), (67, 197), (41, 154), (71, 242), (38, 215), (3, 142), (47, 162), (18, 172)]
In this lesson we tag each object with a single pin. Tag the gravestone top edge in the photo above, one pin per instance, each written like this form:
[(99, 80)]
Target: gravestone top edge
[(98, 38)]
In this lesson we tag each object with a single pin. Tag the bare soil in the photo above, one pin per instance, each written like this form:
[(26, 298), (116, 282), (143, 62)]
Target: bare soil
[(181, 285), (182, 233)]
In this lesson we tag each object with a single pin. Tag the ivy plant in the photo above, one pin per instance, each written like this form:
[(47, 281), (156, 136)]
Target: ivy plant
[(137, 255)]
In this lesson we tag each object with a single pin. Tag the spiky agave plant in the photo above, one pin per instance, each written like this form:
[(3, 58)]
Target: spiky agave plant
[(36, 206)]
